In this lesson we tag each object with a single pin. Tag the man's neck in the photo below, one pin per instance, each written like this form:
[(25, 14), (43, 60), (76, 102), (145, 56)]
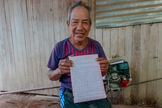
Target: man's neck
[(79, 45)]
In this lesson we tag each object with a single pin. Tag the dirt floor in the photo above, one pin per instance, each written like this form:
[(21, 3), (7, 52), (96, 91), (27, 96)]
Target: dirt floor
[(28, 101), (38, 101)]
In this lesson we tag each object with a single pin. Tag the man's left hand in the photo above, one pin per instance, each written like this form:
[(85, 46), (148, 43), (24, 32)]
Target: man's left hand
[(104, 65)]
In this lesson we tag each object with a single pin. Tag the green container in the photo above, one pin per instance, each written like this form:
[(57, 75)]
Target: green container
[(123, 66)]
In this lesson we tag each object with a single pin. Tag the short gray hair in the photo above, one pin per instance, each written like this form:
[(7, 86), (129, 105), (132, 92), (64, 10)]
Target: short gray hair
[(79, 3)]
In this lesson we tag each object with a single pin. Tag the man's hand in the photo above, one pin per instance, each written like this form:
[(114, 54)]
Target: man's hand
[(64, 66), (104, 65)]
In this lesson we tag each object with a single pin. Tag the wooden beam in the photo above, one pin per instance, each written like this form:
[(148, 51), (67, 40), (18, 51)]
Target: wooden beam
[(27, 90)]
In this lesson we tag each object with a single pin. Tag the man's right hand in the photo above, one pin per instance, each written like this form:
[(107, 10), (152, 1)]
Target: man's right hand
[(64, 66)]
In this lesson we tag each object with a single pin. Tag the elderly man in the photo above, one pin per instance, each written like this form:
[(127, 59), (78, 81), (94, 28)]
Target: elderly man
[(79, 24)]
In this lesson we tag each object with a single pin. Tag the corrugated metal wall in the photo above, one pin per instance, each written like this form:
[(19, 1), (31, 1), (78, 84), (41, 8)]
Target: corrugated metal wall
[(115, 13)]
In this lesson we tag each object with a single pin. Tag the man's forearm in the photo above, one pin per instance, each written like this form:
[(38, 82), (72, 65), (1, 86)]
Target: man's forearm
[(54, 75)]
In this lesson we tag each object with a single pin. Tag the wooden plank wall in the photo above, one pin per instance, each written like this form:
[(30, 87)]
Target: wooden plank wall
[(29, 29), (141, 46)]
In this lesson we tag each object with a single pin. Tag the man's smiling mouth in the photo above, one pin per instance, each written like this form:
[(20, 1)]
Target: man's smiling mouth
[(79, 34)]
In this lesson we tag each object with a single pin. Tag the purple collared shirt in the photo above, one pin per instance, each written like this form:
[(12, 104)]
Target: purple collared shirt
[(64, 48)]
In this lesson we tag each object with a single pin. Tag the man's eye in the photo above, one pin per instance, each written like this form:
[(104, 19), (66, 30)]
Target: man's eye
[(75, 22), (85, 22)]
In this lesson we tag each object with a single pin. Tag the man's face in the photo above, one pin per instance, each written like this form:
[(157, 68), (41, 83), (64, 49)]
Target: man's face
[(79, 25)]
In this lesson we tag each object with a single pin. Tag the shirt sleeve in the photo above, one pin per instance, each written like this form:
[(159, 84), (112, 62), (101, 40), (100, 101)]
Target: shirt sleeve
[(53, 60), (101, 51)]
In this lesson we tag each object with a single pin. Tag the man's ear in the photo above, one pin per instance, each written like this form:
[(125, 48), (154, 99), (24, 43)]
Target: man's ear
[(67, 22)]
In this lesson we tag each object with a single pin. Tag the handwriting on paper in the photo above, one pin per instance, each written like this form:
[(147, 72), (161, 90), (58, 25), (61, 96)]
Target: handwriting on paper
[(86, 78)]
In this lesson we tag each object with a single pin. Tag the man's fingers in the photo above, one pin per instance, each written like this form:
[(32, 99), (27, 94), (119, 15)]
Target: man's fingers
[(104, 65), (104, 73), (103, 69), (66, 63), (103, 61), (64, 71), (66, 60), (64, 68), (100, 58)]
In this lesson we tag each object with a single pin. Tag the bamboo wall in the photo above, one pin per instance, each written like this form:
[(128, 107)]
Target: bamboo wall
[(141, 46), (29, 29)]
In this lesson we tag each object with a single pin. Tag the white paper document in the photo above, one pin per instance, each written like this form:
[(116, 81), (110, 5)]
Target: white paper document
[(86, 79)]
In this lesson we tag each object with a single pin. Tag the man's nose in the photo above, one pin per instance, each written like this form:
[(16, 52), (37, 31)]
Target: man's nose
[(80, 26)]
